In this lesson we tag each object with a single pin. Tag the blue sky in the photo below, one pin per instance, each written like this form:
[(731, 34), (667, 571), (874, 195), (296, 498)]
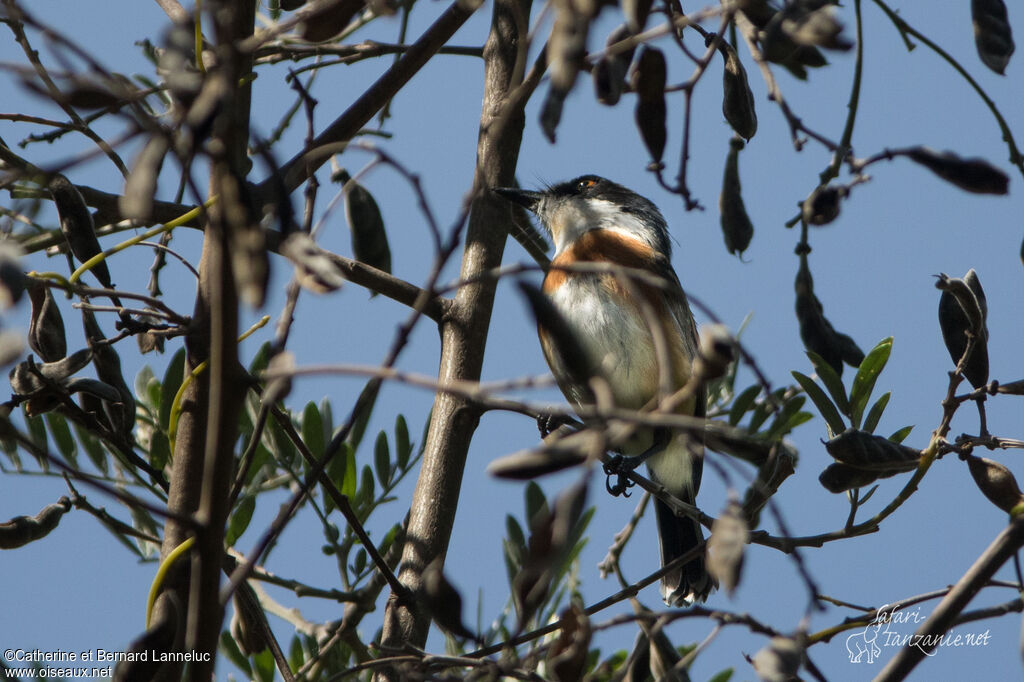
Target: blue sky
[(873, 271)]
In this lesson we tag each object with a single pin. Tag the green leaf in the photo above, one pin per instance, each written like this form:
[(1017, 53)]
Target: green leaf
[(263, 663), (831, 380), (230, 649), (93, 448), (327, 417), (313, 430), (790, 412), (742, 403), (37, 432), (382, 459), (360, 562), (348, 487), (875, 413), (763, 409), (260, 360), (826, 407), (864, 381), (240, 519), (159, 450), (62, 437), (363, 409), (901, 435), (173, 376), (403, 446), (535, 501), (723, 676), (154, 395), (296, 654), (142, 380)]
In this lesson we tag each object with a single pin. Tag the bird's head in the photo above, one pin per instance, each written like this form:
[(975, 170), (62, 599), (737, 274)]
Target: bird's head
[(570, 209)]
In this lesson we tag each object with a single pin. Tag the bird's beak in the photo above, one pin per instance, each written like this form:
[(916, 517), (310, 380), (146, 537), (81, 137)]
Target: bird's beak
[(524, 197)]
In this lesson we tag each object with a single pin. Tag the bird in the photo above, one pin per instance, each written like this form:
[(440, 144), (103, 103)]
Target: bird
[(594, 220)]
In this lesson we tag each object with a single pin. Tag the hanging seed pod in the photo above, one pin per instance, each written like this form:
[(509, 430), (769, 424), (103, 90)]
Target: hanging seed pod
[(849, 350), (716, 352), (315, 269), (873, 453), (816, 331), (250, 263), (729, 536), (108, 369), (963, 310), (780, 660), (551, 113), (973, 175), (992, 34), (636, 13), (815, 28), (736, 226), (140, 187), (567, 46), (443, 601), (12, 277), (649, 77), (46, 336), (567, 658), (369, 240), (996, 482), (77, 226), (737, 99), (329, 20), (22, 530), (609, 73), (822, 206)]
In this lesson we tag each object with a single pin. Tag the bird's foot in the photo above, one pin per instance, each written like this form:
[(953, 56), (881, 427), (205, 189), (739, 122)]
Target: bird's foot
[(546, 423), (618, 467)]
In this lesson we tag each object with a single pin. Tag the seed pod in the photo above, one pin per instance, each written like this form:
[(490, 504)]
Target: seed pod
[(996, 482), (973, 175), (530, 464), (778, 47), (716, 352), (822, 206), (443, 601), (250, 263), (779, 661), (992, 34), (874, 453), (567, 46), (108, 370), (140, 187), (649, 77), (817, 27), (77, 226), (962, 310), (609, 73), (567, 658), (636, 13), (46, 336), (736, 226), (551, 113), (314, 268), (737, 99), (369, 240), (12, 277), (289, 5), (816, 331), (849, 350), (729, 537), (330, 20), (89, 94), (148, 653), (22, 530)]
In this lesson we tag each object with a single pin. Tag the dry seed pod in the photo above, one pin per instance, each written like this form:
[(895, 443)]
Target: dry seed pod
[(443, 601), (108, 369), (816, 331), (996, 482), (973, 175), (779, 661), (12, 277), (716, 352), (369, 240), (609, 73), (315, 269), (140, 187), (992, 34), (551, 113), (567, 658), (567, 46), (22, 530), (649, 78), (636, 13), (329, 20), (46, 336), (870, 452), (530, 464), (962, 310), (822, 206), (729, 536), (737, 99), (818, 27), (849, 350), (250, 263), (736, 226), (77, 226)]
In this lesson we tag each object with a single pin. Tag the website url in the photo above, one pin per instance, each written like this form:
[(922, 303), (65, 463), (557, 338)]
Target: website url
[(45, 672)]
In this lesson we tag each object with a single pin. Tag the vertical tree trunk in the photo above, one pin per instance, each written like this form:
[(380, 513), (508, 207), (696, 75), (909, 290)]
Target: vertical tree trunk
[(203, 456), (464, 333)]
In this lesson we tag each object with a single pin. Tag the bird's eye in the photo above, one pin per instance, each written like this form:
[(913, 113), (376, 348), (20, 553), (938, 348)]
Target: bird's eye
[(586, 184)]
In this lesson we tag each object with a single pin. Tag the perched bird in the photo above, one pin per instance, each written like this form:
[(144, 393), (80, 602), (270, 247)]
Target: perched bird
[(594, 220)]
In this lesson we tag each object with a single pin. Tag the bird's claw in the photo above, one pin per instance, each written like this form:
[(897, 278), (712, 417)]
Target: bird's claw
[(617, 467)]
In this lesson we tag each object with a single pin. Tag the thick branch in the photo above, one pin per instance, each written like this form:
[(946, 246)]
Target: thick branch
[(464, 332)]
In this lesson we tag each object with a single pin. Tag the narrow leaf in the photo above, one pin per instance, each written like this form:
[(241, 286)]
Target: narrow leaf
[(826, 407), (867, 374)]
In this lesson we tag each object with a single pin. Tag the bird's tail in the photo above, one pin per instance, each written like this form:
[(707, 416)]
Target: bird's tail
[(690, 582)]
